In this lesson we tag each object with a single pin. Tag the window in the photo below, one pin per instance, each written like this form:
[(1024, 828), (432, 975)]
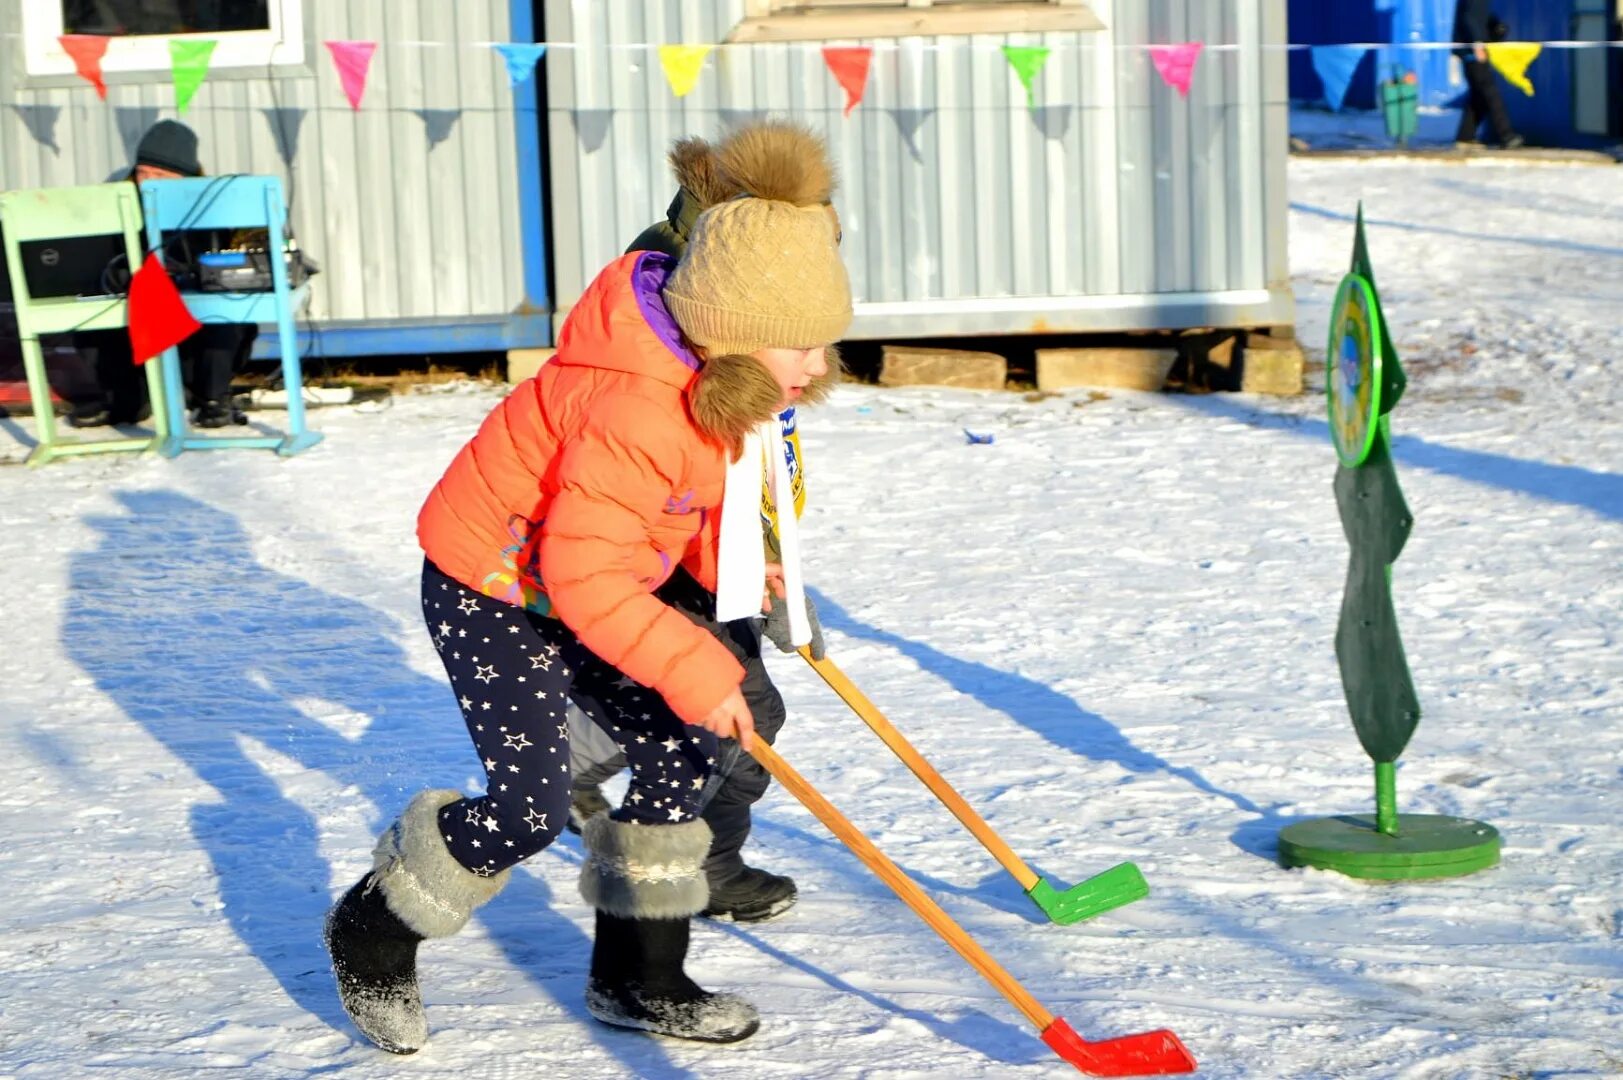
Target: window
[(117, 18), (250, 33), (810, 20)]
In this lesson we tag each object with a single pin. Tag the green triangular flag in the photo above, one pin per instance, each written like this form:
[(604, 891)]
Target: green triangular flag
[(189, 61), (1026, 60), (1395, 380)]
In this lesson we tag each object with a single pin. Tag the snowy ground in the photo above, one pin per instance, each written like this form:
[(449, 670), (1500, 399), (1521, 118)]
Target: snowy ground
[(1111, 629)]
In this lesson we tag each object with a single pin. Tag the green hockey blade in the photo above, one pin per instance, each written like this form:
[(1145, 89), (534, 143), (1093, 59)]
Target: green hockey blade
[(1121, 884)]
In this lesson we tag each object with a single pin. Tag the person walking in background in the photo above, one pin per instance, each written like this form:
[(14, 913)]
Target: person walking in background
[(208, 359), (1474, 26)]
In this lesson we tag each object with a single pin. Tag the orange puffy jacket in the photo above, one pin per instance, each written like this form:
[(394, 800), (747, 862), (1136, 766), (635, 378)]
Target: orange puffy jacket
[(586, 487)]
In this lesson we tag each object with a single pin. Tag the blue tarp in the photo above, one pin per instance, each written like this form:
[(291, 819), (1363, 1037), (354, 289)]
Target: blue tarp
[(1389, 23)]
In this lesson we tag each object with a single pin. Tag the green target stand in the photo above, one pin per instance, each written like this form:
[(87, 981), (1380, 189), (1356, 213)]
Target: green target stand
[(1364, 382)]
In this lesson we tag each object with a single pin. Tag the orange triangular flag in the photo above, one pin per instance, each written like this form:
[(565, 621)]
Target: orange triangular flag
[(849, 63), (159, 318), (87, 51)]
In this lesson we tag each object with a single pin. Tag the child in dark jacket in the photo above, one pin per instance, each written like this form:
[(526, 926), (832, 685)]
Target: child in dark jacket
[(637, 449), (738, 891)]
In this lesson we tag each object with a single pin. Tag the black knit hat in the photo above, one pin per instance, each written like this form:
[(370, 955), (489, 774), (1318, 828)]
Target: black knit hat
[(169, 144)]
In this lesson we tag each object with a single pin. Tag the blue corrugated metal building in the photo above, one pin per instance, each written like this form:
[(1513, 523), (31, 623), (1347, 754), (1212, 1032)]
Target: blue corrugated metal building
[(1579, 98), (1390, 23)]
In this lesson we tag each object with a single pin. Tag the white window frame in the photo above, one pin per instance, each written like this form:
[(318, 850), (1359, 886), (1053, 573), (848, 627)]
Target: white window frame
[(281, 45)]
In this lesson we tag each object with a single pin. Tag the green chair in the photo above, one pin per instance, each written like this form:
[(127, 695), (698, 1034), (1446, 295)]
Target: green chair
[(60, 214)]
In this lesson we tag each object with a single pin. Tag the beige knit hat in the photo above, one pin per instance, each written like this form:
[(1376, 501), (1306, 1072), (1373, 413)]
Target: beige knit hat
[(764, 269)]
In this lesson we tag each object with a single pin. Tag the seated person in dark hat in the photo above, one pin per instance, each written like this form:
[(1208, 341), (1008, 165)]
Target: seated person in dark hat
[(209, 358)]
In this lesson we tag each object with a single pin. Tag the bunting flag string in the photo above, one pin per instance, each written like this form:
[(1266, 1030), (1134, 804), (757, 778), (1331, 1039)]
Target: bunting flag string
[(86, 51), (189, 66), (682, 64), (1511, 59), (352, 59), (1176, 64), (520, 58), (1027, 61), (849, 65)]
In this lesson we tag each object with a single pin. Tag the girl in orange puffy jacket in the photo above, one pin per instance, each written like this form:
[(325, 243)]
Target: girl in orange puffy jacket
[(639, 447)]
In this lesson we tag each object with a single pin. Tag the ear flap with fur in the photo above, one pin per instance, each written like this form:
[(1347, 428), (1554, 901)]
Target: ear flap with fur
[(732, 394)]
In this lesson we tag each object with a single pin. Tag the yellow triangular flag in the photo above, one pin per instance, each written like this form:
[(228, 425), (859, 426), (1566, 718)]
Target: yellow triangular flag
[(682, 64), (1510, 59)]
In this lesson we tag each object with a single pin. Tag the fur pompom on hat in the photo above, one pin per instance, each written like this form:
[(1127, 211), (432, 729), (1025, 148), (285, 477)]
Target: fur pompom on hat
[(763, 269)]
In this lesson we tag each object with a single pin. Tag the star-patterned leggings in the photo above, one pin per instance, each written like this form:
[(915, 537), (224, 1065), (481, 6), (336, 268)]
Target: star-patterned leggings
[(513, 673)]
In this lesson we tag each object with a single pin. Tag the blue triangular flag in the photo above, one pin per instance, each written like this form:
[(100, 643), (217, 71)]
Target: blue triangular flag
[(520, 58), (1335, 65)]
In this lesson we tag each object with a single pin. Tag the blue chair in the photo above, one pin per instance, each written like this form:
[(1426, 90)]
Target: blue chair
[(59, 214), (232, 202)]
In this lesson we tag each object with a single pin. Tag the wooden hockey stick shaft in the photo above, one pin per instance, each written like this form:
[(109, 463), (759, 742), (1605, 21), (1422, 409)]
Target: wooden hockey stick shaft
[(922, 769), (892, 875)]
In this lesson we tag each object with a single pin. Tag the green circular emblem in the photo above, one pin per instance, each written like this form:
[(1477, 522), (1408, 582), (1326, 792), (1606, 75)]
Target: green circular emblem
[(1354, 373)]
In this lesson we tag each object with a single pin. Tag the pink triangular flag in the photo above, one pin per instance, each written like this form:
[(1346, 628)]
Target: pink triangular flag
[(352, 58), (1176, 63), (87, 51)]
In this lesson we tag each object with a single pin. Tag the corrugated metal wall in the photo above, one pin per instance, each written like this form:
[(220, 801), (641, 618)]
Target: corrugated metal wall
[(1112, 205), (402, 229)]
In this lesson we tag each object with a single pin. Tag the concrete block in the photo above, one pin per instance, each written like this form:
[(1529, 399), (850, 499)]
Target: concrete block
[(523, 363), (1272, 365), (1129, 369), (911, 365)]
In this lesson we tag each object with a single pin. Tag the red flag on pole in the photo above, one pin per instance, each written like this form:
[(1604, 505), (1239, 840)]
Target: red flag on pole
[(87, 51), (849, 63), (158, 316)]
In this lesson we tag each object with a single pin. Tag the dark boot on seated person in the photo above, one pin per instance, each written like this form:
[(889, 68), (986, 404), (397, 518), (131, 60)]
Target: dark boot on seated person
[(218, 414), (751, 895), (89, 414)]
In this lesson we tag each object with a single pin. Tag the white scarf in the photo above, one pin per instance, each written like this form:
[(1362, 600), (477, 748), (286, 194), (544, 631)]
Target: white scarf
[(741, 562)]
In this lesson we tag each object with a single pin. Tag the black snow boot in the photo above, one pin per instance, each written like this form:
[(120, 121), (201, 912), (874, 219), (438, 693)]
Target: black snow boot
[(416, 890), (646, 884), (751, 895), (374, 956), (637, 982)]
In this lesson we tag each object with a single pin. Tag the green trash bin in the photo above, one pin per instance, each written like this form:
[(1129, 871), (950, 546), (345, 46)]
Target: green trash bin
[(1400, 105)]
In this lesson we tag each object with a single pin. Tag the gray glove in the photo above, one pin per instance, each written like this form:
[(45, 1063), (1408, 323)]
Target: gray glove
[(777, 627)]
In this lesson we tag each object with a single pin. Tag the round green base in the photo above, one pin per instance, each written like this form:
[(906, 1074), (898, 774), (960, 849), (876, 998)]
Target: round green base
[(1425, 846)]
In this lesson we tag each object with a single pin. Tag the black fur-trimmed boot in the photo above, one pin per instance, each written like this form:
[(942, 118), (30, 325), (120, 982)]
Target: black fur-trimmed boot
[(416, 890), (646, 884)]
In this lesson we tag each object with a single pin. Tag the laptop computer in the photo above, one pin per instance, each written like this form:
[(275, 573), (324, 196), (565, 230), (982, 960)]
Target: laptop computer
[(75, 266)]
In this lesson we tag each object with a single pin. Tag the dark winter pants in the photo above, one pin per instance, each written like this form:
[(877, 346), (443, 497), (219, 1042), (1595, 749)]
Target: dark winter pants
[(208, 361), (739, 781), (513, 674), (1483, 102)]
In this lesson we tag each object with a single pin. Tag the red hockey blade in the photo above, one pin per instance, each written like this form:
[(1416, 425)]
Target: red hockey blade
[(1150, 1053)]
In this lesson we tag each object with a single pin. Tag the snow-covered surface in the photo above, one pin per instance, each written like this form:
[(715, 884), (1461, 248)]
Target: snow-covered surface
[(1111, 629)]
